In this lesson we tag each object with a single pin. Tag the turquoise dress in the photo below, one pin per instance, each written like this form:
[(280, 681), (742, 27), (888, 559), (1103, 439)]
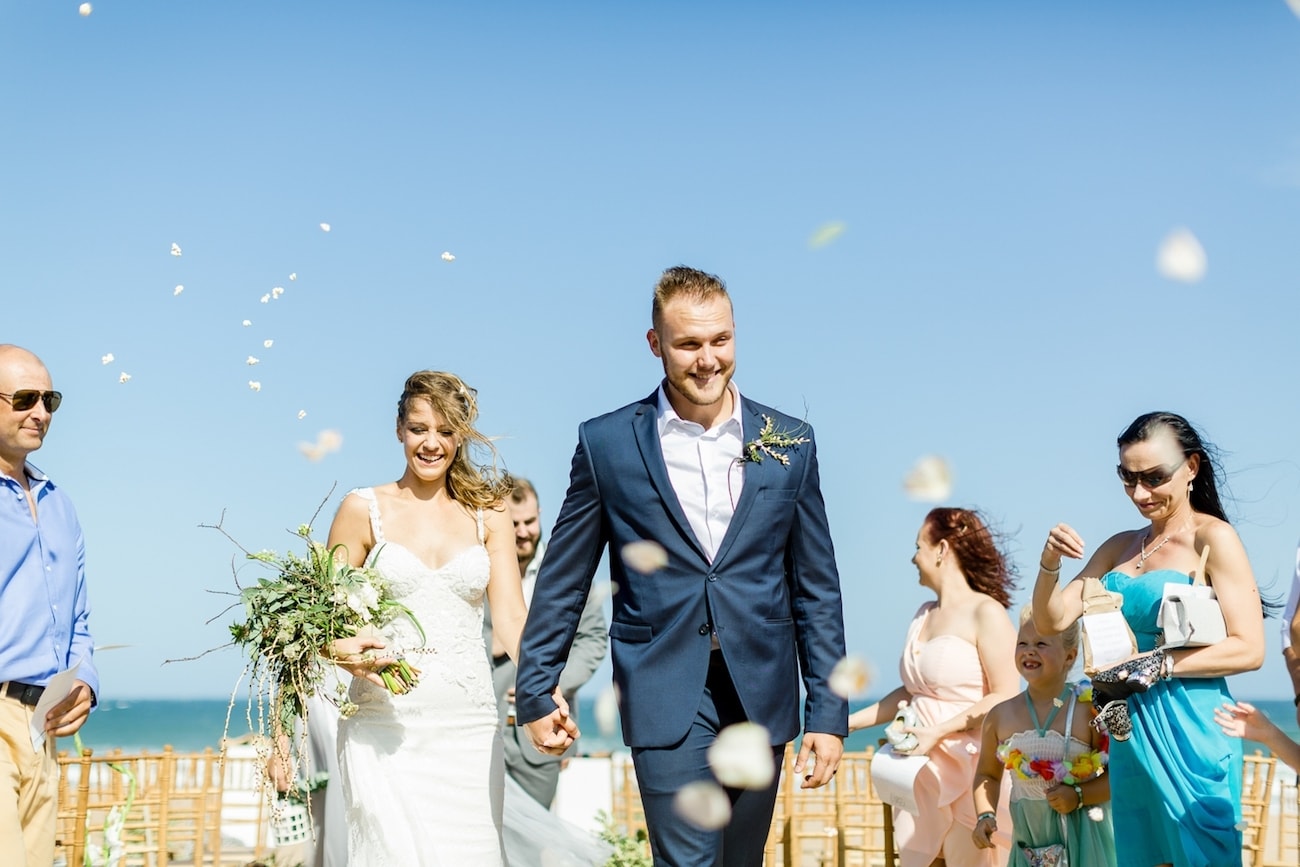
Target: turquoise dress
[(1176, 783)]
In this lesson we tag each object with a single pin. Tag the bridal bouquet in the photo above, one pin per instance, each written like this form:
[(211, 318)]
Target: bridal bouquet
[(292, 616)]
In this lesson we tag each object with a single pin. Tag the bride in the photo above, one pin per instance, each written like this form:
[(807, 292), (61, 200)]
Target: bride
[(422, 773)]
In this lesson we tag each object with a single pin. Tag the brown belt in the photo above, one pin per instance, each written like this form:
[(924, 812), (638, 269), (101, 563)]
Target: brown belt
[(27, 693)]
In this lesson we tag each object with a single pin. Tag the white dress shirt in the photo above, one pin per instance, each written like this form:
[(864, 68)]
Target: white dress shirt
[(704, 469)]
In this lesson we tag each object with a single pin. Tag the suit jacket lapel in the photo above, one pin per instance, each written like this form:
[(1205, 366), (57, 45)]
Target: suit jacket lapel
[(752, 423), (646, 427)]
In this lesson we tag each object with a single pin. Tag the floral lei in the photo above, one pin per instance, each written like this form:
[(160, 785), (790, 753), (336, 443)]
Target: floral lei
[(1068, 771)]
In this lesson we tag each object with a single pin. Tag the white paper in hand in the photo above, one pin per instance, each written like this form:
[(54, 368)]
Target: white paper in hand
[(56, 691), (1108, 638)]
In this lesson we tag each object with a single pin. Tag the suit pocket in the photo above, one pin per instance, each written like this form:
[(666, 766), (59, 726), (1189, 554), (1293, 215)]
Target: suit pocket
[(637, 633), (779, 621), (780, 493)]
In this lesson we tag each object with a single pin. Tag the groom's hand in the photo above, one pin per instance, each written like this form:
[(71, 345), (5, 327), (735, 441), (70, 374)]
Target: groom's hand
[(827, 750), (555, 732)]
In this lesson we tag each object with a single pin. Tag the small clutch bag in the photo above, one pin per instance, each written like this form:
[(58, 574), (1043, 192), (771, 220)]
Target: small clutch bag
[(1190, 615)]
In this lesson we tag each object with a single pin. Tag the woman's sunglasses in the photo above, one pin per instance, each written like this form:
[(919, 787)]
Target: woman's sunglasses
[(1150, 479), (25, 398)]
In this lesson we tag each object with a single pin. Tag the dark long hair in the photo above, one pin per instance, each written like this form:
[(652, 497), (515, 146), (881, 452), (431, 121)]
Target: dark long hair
[(1205, 489), (986, 568)]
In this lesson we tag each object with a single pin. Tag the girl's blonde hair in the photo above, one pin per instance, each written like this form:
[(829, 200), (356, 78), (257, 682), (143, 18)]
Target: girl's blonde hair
[(1069, 635), (481, 484)]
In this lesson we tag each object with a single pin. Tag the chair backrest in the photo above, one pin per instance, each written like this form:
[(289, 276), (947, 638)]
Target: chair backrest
[(1256, 802)]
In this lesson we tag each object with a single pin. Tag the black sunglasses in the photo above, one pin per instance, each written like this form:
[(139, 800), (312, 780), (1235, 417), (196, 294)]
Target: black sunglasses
[(25, 398), (1150, 479)]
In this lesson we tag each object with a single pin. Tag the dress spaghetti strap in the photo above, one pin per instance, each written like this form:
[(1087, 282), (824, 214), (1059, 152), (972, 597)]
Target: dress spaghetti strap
[(376, 524), (482, 538)]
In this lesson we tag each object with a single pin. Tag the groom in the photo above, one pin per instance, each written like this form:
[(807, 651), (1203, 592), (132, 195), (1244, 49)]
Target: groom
[(749, 598)]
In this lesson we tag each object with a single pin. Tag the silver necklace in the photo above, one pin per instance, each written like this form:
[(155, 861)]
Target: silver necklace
[(1145, 555)]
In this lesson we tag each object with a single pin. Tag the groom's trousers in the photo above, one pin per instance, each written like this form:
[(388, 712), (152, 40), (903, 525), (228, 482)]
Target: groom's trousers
[(662, 771)]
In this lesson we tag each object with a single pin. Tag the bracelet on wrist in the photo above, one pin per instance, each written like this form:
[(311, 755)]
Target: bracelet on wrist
[(1042, 568), (982, 816), (1078, 793)]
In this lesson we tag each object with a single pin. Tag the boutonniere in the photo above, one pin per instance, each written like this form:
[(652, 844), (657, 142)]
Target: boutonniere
[(771, 442)]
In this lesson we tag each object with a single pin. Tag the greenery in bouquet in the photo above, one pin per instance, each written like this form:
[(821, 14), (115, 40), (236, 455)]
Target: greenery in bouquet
[(291, 617)]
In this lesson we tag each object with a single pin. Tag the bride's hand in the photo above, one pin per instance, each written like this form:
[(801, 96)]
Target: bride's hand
[(350, 654)]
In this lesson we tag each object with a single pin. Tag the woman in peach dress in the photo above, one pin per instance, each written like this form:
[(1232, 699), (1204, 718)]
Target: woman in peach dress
[(958, 662)]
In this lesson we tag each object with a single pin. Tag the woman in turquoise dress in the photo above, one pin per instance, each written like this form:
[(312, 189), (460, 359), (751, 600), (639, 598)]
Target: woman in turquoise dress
[(1176, 779)]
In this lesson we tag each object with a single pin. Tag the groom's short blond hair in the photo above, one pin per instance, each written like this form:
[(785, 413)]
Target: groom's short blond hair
[(688, 283)]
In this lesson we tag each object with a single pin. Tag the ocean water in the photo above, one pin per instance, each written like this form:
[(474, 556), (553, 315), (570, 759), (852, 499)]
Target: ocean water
[(191, 725)]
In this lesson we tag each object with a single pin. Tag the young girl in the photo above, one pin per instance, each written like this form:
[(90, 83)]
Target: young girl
[(1059, 792)]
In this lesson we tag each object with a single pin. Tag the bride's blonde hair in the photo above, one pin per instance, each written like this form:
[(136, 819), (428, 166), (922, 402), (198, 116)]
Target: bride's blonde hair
[(481, 484)]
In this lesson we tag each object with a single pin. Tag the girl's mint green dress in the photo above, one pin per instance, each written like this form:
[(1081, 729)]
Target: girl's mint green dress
[(1034, 761), (1176, 783)]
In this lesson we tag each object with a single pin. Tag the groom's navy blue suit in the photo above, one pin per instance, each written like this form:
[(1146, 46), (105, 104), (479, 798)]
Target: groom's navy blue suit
[(771, 594)]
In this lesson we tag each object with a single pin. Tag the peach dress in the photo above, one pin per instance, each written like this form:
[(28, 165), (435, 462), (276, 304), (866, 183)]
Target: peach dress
[(944, 676)]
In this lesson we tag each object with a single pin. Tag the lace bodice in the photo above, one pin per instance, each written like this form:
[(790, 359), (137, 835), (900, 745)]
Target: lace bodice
[(447, 602)]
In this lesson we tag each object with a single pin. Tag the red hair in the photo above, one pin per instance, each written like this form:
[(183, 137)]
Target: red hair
[(986, 568)]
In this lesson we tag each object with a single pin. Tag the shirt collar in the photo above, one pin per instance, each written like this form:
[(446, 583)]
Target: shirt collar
[(37, 479), (668, 417)]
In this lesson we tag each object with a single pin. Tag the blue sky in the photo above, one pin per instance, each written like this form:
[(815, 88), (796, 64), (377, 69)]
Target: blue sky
[(1004, 172)]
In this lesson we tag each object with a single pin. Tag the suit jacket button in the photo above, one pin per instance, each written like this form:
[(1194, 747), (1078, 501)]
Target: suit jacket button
[(705, 629), (713, 577)]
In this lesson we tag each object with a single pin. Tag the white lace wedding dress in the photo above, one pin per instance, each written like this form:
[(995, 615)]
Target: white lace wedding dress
[(422, 773)]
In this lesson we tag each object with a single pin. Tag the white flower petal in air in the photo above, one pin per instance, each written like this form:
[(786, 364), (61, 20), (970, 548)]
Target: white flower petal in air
[(251, 361), (176, 249), (1094, 812), (266, 344), (606, 711), (929, 480), (106, 359), (1295, 6), (324, 227), (302, 413), (247, 322), (644, 556), (850, 677), (254, 385), (703, 804), (825, 234), (125, 377), (178, 290), (85, 9), (277, 291), (266, 299), (448, 257), (330, 440), (741, 756), (1181, 257), (293, 276), (311, 451)]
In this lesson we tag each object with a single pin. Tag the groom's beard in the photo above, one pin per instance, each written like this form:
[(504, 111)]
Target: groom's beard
[(686, 385)]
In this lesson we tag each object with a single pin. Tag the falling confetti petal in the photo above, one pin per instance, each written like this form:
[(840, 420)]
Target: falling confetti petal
[(850, 677), (703, 804), (1295, 6), (266, 299), (277, 291), (1181, 257), (327, 441), (606, 710), (125, 377), (825, 234), (448, 257), (251, 361), (254, 385), (178, 290), (106, 359), (741, 756), (302, 413), (929, 480), (85, 9), (293, 276), (176, 249), (324, 227), (267, 343), (247, 322), (644, 556)]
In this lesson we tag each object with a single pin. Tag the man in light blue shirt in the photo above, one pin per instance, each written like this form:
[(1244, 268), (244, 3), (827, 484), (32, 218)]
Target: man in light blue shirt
[(43, 613)]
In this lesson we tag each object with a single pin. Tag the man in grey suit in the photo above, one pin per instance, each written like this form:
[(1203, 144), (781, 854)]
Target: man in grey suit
[(539, 773)]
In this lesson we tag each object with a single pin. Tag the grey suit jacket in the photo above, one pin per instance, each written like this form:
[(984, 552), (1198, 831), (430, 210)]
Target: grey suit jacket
[(538, 773)]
